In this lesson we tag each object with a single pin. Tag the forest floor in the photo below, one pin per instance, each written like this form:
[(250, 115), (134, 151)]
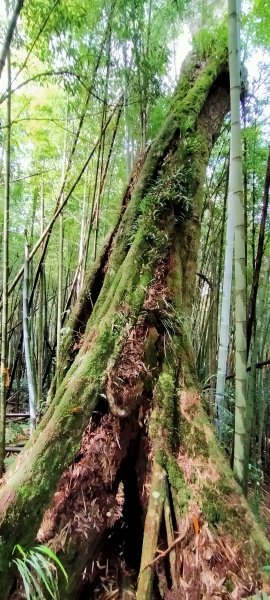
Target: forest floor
[(106, 580)]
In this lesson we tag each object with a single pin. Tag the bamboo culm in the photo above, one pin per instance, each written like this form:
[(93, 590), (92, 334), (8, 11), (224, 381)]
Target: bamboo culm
[(241, 443), (30, 370), (5, 266)]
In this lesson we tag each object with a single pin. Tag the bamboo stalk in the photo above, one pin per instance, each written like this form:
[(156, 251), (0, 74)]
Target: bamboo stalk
[(241, 442), (8, 39), (4, 377), (59, 294), (30, 371), (40, 319)]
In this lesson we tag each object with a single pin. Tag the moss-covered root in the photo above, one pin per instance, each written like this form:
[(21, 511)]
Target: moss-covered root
[(170, 537), (151, 531), (215, 522), (224, 521)]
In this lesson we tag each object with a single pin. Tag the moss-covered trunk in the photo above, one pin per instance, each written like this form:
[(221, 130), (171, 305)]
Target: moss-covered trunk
[(129, 400)]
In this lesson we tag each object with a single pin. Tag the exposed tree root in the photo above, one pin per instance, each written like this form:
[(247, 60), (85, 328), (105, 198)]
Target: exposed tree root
[(151, 531)]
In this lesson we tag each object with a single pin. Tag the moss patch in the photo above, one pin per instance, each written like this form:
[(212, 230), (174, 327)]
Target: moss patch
[(176, 479)]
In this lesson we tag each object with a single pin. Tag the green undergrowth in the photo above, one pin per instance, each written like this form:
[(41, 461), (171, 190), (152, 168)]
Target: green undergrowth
[(38, 569)]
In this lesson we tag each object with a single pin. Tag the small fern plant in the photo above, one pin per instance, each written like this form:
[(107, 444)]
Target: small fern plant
[(38, 569)]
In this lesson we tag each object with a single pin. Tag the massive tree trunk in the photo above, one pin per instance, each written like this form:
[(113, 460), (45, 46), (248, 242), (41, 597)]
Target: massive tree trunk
[(126, 428)]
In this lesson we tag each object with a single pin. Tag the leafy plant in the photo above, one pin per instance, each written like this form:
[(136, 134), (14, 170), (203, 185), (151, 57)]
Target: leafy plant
[(38, 570), (15, 432)]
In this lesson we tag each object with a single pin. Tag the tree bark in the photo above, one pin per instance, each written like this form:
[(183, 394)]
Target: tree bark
[(85, 479)]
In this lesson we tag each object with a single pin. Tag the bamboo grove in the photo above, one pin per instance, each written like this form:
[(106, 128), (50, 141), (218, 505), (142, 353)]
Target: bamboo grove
[(135, 308)]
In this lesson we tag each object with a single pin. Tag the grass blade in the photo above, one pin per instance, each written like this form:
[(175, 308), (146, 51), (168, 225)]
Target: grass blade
[(20, 550), (48, 552), (43, 576), (24, 573)]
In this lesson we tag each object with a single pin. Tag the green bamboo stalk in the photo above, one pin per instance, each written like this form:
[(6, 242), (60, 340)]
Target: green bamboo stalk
[(60, 258), (60, 285), (212, 335), (241, 443), (40, 316), (30, 369), (80, 266), (5, 268), (62, 204), (256, 351), (224, 330), (8, 38)]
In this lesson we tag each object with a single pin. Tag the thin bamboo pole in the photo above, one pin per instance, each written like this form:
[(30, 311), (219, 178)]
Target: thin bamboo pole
[(241, 441), (5, 266), (60, 286), (40, 319), (30, 370)]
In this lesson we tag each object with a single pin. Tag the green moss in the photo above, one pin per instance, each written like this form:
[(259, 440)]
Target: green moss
[(199, 442), (176, 479), (188, 100), (219, 512), (225, 486), (193, 437), (174, 280), (150, 353), (229, 585), (213, 507), (189, 106), (166, 404)]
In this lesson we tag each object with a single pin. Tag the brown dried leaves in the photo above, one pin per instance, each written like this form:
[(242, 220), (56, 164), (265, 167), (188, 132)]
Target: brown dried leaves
[(88, 499)]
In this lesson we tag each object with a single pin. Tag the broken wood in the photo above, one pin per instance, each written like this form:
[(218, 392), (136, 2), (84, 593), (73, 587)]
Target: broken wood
[(151, 531)]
